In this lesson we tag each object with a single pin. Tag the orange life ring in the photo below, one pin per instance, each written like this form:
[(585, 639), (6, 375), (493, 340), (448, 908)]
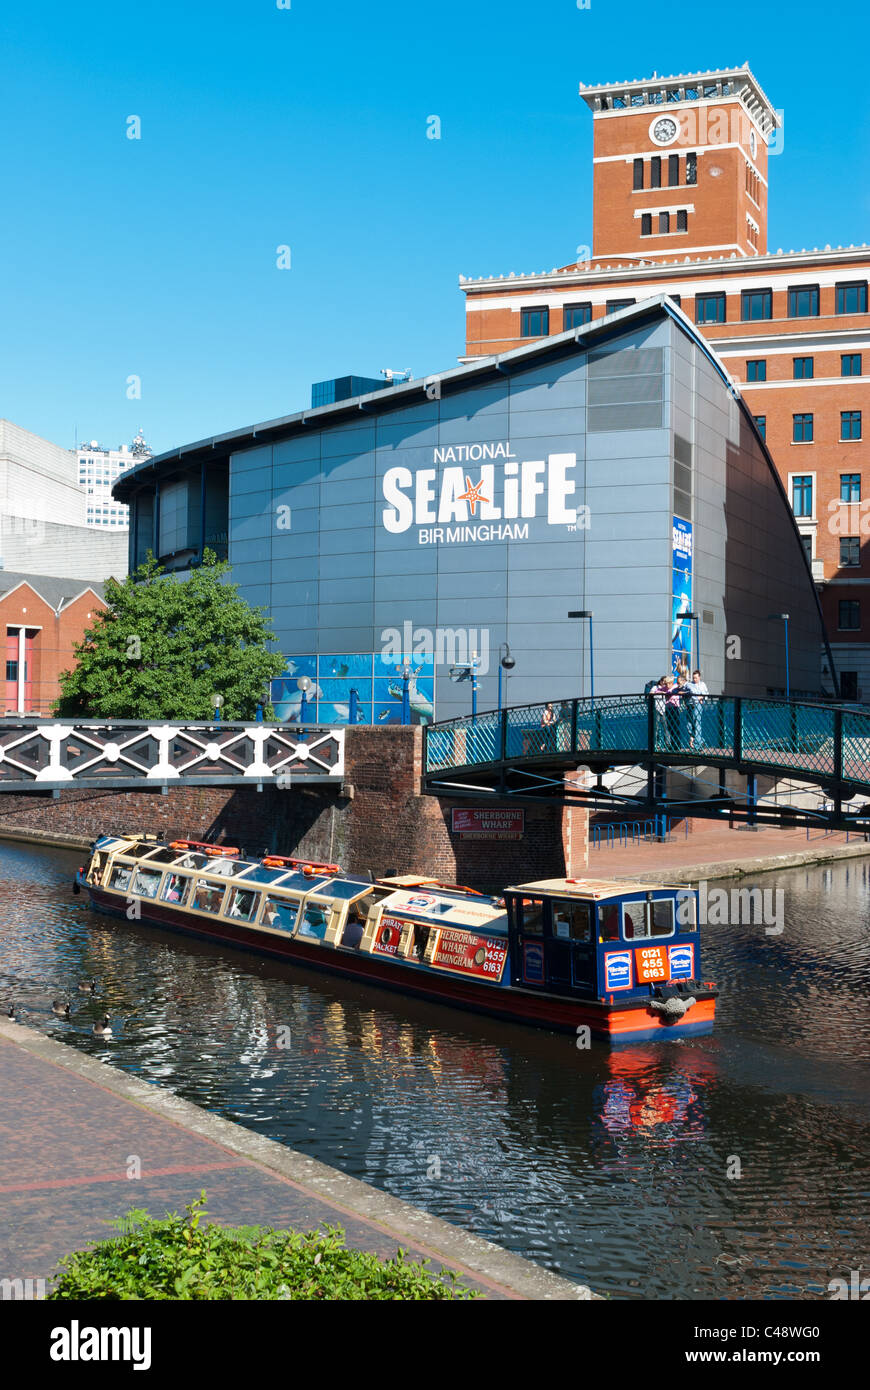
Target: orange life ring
[(307, 866), (213, 850)]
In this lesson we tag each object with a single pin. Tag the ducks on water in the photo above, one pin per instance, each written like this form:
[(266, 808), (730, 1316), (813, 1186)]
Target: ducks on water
[(88, 987), (58, 1007), (102, 1030)]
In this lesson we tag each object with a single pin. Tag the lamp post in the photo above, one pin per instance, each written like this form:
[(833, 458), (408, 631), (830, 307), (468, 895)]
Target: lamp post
[(468, 671), (353, 705), (505, 663), (216, 703), (783, 618), (585, 613), (405, 672), (304, 684), (696, 649)]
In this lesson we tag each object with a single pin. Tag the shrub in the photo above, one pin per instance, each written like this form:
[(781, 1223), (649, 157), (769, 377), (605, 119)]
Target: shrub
[(183, 1257)]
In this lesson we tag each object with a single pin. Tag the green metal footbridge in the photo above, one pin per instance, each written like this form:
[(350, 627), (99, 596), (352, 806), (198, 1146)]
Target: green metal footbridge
[(817, 756)]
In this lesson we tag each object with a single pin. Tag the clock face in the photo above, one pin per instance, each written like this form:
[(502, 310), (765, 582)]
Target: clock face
[(753, 143), (664, 130)]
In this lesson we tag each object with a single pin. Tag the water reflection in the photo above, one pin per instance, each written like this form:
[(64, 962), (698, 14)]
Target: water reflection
[(731, 1166)]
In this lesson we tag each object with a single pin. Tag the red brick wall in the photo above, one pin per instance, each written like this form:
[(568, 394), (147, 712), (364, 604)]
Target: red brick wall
[(385, 825)]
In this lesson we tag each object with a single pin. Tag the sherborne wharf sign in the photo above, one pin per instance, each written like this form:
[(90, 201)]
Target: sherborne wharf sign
[(505, 492), (473, 823)]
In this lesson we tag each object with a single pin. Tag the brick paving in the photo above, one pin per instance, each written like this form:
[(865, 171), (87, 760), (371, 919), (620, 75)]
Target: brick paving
[(65, 1145)]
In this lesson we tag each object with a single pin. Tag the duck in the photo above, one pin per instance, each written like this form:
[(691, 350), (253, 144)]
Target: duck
[(10, 1012), (102, 1030), (88, 987), (59, 1008)]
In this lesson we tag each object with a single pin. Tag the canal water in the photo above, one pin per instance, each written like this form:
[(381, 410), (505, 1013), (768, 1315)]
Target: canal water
[(734, 1166)]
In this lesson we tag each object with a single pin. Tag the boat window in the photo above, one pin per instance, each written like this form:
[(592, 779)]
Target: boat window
[(304, 882), (608, 922), (175, 888), (572, 921), (121, 877), (226, 867), (280, 913), (634, 920), (662, 914), (343, 888), (532, 917), (96, 869), (145, 883), (206, 896), (243, 904), (257, 873), (687, 910), (315, 920), (189, 860), (163, 856)]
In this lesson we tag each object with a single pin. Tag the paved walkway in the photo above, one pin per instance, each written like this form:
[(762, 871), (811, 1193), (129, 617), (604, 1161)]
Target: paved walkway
[(70, 1127), (712, 850)]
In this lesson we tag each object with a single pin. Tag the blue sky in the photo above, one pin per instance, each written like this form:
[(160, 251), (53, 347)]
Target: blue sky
[(307, 127)]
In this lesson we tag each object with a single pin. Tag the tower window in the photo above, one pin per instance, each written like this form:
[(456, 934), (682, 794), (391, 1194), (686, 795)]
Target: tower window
[(849, 615), (535, 323), (757, 304), (802, 368), (802, 429), (646, 224), (709, 308), (850, 487), (850, 551), (761, 426), (850, 424), (756, 369), (850, 364), (682, 220), (655, 172), (638, 173), (852, 297), (802, 494), (673, 170), (613, 304), (691, 168), (664, 223), (803, 301)]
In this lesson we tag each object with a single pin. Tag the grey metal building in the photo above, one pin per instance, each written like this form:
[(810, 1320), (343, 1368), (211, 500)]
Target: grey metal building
[(612, 470)]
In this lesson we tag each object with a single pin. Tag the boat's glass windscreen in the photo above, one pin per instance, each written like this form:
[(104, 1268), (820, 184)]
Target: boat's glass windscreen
[(303, 882), (256, 873), (163, 856), (188, 860), (343, 888)]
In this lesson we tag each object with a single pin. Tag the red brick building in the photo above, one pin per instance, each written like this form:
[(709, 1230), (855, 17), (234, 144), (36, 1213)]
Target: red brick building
[(680, 189), (43, 619)]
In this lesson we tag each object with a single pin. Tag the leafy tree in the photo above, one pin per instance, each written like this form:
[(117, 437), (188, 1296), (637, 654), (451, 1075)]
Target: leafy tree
[(162, 646)]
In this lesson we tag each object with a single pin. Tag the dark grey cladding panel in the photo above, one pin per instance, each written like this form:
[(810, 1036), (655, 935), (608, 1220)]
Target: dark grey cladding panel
[(609, 389), (643, 416), (626, 361)]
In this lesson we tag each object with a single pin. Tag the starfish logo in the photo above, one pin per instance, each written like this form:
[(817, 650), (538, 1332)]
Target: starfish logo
[(473, 494)]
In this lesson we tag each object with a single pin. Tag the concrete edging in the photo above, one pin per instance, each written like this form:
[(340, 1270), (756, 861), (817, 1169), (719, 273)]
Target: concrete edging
[(407, 1223), (743, 868)]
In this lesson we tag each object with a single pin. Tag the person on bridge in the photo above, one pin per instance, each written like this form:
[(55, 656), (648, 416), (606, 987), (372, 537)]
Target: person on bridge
[(548, 724), (695, 689)]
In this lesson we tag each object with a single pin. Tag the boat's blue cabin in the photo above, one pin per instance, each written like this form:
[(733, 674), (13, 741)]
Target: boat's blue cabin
[(603, 939)]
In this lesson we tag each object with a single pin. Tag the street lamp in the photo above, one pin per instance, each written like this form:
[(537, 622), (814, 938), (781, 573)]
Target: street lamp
[(304, 684), (468, 671), (216, 702), (696, 651), (783, 618), (585, 613), (406, 673), (506, 663)]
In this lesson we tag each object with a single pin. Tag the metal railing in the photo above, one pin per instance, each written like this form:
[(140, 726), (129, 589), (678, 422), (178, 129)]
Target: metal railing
[(632, 832), (821, 741)]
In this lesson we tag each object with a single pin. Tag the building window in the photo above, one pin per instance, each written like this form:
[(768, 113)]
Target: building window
[(655, 172), (691, 168), (849, 614), (677, 298), (807, 543), (802, 368), (757, 304), (12, 670), (850, 364), (646, 224), (803, 301), (575, 315), (613, 304), (802, 494), (850, 424), (709, 308), (756, 369), (664, 223), (802, 429), (761, 426), (682, 220), (673, 170), (848, 685), (638, 173), (850, 551), (535, 323), (850, 487), (852, 297)]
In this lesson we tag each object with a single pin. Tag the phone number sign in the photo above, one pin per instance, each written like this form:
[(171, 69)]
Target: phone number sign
[(651, 963), (483, 956)]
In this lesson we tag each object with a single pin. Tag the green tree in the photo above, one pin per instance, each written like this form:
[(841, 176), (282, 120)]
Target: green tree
[(162, 646)]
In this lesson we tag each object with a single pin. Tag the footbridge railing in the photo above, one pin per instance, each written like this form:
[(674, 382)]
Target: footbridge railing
[(825, 744)]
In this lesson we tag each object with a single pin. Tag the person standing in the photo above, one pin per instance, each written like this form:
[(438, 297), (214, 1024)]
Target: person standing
[(696, 690), (548, 724)]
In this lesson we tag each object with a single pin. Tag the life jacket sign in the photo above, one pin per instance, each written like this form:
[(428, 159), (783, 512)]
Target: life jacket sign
[(652, 964), (617, 970), (682, 962), (533, 963), (388, 936)]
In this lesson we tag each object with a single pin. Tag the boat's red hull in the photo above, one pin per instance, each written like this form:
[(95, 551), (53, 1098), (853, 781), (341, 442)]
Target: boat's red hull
[(615, 1023)]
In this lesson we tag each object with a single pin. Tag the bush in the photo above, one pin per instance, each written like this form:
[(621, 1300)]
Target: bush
[(180, 1258)]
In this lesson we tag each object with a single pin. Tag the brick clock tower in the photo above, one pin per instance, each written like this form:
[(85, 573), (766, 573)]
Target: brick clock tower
[(680, 166)]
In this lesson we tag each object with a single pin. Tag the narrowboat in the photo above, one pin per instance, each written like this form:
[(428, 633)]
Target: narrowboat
[(565, 954)]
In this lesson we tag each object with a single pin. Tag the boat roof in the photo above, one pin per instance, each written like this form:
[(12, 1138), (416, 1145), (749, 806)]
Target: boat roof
[(594, 888)]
